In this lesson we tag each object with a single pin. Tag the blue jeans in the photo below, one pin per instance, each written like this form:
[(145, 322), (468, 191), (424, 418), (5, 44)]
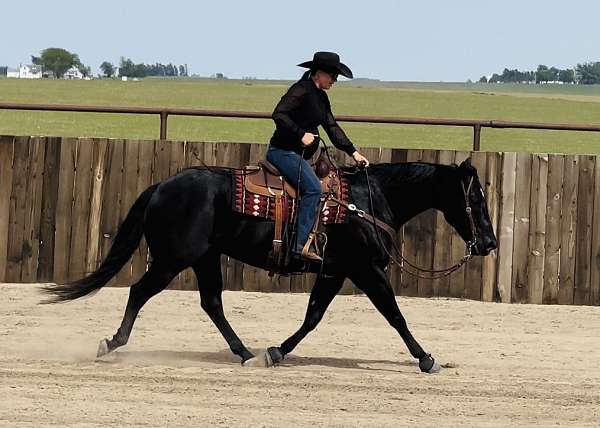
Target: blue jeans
[(288, 163)]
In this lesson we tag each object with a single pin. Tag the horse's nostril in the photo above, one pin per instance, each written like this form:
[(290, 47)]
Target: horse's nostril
[(491, 245)]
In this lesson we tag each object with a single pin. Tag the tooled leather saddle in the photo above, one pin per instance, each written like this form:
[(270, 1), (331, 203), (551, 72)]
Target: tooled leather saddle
[(262, 192)]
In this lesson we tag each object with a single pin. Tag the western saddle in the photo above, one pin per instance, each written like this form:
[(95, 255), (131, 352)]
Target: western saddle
[(261, 191)]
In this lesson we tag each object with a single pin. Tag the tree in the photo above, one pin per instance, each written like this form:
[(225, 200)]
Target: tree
[(566, 76), (108, 69), (545, 74), (495, 78), (483, 79), (57, 60), (588, 73), (182, 71), (126, 67)]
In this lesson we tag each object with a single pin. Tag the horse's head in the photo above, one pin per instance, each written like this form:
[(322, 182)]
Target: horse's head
[(465, 208)]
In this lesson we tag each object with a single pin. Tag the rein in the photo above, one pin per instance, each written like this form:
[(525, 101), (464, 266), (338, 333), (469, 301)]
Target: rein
[(401, 261), (433, 273)]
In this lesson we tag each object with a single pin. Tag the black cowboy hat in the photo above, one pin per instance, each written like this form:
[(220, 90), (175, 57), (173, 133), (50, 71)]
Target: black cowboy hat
[(328, 61)]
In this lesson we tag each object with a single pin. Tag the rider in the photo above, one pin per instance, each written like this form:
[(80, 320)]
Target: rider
[(300, 111)]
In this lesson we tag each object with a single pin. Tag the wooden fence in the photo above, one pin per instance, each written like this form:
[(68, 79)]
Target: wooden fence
[(61, 201)]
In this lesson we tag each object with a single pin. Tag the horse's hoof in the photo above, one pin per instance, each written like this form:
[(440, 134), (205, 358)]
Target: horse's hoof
[(275, 354), (102, 348), (428, 364), (261, 360), (436, 368)]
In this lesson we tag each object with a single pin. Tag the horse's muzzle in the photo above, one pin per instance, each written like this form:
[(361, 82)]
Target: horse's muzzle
[(489, 245), (486, 247)]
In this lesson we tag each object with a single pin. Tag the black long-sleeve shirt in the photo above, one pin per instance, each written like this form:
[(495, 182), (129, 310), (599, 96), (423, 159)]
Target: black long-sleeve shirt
[(302, 109)]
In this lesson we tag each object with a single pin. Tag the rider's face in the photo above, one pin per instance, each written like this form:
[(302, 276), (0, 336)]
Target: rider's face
[(325, 80)]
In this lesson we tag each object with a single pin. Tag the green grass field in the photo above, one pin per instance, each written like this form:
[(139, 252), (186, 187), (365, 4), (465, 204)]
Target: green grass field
[(547, 103)]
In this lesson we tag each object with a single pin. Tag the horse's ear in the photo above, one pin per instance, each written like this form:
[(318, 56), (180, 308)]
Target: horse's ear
[(467, 167)]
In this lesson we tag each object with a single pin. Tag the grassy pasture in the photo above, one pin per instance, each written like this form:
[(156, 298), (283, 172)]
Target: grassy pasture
[(547, 103)]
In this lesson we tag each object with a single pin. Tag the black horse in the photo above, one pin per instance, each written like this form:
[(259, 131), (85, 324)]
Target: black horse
[(188, 221)]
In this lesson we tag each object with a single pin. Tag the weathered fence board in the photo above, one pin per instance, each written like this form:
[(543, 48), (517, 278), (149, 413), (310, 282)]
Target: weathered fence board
[(64, 207), (554, 199), (33, 210), (595, 256), (18, 209), (568, 230), (585, 207), (98, 160), (45, 271), (521, 228), (6, 174), (506, 222), (537, 229), (81, 209), (62, 200)]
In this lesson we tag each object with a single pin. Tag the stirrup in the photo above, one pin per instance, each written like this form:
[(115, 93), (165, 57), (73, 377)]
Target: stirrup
[(307, 254)]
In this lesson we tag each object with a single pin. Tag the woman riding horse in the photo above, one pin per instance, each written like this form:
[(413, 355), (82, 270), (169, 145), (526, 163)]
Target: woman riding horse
[(188, 221)]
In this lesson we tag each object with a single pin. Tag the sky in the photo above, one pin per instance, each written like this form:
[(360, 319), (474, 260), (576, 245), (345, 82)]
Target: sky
[(379, 39)]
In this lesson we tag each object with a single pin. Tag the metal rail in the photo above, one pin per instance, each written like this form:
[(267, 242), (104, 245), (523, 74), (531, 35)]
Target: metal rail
[(164, 114)]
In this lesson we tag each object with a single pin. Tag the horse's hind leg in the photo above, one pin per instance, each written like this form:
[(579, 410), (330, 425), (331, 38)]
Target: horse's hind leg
[(210, 284), (153, 282)]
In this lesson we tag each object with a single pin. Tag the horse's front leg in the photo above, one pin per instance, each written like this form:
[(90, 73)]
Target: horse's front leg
[(321, 296), (374, 283)]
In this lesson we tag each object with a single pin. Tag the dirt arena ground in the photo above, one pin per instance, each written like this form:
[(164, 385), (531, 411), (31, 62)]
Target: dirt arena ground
[(504, 365)]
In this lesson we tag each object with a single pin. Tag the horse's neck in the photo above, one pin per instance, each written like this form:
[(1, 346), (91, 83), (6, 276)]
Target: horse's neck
[(411, 189)]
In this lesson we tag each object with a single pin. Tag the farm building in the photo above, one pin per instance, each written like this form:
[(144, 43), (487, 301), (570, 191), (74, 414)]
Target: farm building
[(73, 73), (12, 72), (30, 71)]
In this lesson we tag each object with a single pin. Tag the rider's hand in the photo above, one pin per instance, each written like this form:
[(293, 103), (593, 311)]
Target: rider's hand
[(308, 139), (360, 159)]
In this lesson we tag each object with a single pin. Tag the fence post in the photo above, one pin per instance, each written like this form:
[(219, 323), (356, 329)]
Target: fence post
[(476, 137), (163, 125)]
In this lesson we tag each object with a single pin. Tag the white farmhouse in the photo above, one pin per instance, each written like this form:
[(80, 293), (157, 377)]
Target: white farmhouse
[(30, 71), (73, 73)]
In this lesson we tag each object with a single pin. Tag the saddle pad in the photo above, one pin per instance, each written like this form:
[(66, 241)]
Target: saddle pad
[(263, 206)]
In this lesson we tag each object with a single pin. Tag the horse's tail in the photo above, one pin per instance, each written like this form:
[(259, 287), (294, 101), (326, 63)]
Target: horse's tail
[(126, 241)]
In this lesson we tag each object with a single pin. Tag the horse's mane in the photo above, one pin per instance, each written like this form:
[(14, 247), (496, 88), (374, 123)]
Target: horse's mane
[(402, 172)]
